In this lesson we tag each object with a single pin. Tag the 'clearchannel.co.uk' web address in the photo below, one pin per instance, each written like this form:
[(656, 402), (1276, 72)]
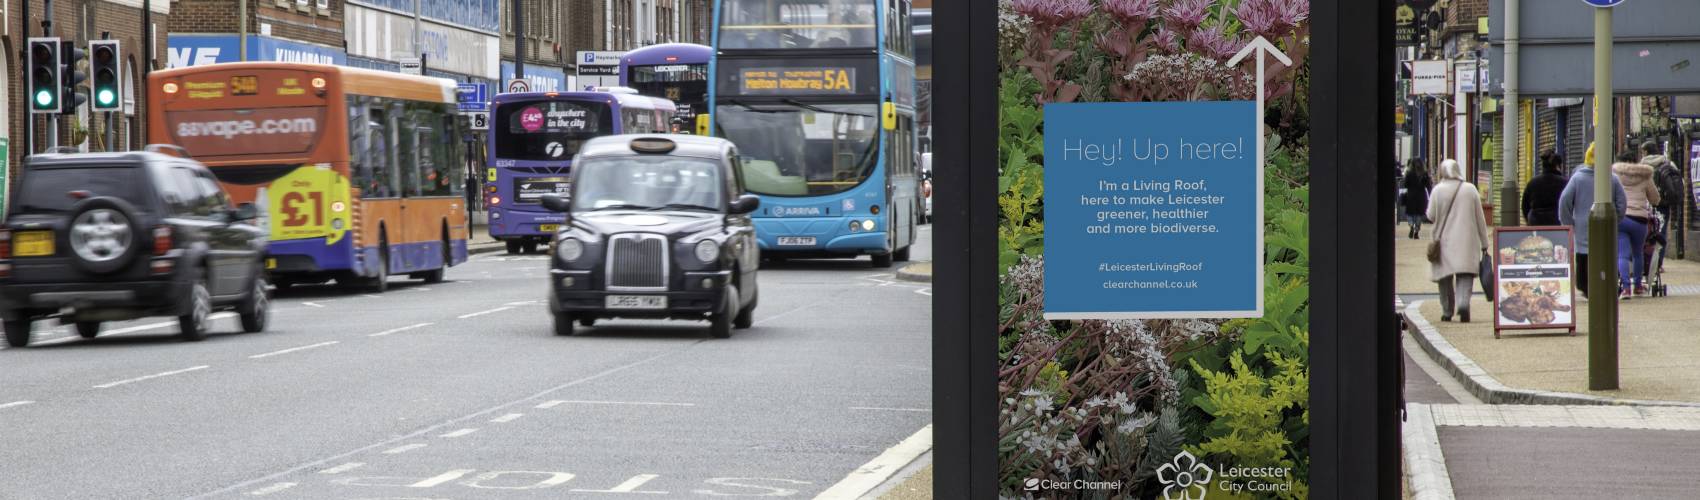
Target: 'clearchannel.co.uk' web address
[(1159, 284), (232, 128)]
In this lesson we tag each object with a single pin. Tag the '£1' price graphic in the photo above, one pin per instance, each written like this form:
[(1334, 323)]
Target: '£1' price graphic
[(294, 214)]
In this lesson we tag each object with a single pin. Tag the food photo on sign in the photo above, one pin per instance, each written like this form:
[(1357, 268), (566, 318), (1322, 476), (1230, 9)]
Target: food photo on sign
[(1533, 276)]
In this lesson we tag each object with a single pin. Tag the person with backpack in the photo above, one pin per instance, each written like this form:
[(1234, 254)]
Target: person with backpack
[(1668, 179)]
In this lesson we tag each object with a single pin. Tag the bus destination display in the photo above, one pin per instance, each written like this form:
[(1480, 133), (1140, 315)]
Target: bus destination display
[(841, 80)]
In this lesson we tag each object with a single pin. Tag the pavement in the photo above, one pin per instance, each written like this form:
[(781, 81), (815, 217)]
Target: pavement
[(459, 390), (1656, 337), (1631, 443)]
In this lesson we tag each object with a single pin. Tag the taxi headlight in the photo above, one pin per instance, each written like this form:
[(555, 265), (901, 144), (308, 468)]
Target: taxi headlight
[(707, 251), (569, 249)]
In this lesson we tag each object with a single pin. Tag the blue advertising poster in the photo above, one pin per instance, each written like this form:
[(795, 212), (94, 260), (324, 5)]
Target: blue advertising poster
[(197, 49), (542, 78), (1153, 210)]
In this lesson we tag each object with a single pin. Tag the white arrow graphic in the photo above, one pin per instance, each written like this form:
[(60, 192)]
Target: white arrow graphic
[(1260, 45)]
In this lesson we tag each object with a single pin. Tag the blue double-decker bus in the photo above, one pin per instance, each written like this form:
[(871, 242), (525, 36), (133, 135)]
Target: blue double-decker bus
[(677, 72), (533, 137), (819, 97)]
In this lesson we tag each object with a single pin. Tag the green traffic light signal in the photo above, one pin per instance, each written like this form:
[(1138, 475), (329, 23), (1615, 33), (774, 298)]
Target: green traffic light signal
[(105, 97), (44, 80), (104, 65)]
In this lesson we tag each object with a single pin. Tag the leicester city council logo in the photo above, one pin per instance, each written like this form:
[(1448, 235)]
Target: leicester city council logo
[(1185, 478)]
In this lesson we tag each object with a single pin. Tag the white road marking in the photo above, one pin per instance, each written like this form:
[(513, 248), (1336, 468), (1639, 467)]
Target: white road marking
[(507, 418), (441, 478), (481, 313), (145, 377), (371, 295), (404, 448), (521, 303), (343, 468), (402, 329), (478, 414), (559, 402), (15, 403), (311, 304), (871, 474), (293, 349), (630, 486), (272, 489), (876, 408), (925, 291), (460, 433)]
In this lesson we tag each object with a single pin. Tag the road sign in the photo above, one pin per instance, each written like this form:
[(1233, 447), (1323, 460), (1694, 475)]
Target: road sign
[(480, 120), (472, 97), (411, 66), (1654, 52), (1602, 3), (516, 85)]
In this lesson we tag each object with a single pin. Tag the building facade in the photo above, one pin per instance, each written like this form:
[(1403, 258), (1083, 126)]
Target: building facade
[(79, 21)]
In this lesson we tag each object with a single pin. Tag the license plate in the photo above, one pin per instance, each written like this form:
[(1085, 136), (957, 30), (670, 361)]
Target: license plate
[(795, 241), (637, 302), (34, 243), (548, 228), (271, 263)]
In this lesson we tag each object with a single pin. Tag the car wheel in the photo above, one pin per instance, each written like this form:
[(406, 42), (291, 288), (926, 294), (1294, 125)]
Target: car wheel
[(514, 247), (256, 308), (720, 323), (18, 332), (882, 260), (747, 316), (587, 322), (563, 324), (88, 329), (193, 325)]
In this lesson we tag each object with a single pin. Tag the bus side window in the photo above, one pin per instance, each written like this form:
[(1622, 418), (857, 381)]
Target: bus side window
[(408, 153), (453, 153), (360, 170), (383, 180)]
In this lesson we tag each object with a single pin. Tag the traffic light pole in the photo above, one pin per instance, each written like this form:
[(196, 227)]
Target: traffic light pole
[(47, 30)]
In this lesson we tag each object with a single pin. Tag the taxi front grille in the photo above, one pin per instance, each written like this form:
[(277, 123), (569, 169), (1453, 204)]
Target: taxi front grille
[(637, 262)]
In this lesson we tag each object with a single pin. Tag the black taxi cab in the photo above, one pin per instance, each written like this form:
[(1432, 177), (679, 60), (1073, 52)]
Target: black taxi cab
[(657, 227)]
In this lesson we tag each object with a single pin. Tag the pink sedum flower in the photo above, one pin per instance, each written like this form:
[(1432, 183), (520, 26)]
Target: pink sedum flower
[(1212, 42), (1052, 13), (1131, 12), (1187, 15)]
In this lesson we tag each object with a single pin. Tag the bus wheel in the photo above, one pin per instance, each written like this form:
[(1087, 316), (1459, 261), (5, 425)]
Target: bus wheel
[(513, 247), (530, 247), (381, 282), (902, 254), (436, 275), (882, 260)]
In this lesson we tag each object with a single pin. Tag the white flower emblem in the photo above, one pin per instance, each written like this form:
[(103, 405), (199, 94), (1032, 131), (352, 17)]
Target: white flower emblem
[(1185, 478)]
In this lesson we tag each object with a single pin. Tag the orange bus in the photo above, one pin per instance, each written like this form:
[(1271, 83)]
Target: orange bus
[(358, 174)]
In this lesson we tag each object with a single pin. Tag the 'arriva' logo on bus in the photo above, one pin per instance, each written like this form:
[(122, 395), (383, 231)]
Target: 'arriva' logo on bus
[(784, 211), (232, 128)]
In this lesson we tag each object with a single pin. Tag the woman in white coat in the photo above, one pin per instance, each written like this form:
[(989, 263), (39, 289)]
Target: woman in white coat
[(1462, 230)]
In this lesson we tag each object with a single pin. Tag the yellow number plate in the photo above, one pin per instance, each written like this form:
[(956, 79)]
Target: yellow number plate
[(34, 243), (548, 228), (271, 263)]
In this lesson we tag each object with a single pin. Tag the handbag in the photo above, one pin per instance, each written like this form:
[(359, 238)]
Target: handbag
[(1434, 246), (1487, 277)]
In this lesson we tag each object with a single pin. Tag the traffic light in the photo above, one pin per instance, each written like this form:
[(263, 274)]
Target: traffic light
[(103, 63), (69, 56), (44, 75)]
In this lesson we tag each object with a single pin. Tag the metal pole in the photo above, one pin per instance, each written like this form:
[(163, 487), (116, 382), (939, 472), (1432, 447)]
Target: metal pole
[(242, 30), (1602, 221), (29, 118), (141, 96), (416, 27), (519, 39), (52, 118), (1513, 111)]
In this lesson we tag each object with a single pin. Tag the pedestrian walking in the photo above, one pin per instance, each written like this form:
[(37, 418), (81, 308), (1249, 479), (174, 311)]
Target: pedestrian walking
[(1671, 193), (1540, 196), (1573, 206), (1417, 185), (1460, 240), (1640, 195)]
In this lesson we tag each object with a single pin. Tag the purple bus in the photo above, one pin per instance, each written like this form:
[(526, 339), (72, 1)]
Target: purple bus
[(533, 137), (674, 71)]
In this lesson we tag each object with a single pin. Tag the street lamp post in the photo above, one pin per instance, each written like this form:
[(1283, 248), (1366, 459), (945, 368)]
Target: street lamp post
[(1602, 220)]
